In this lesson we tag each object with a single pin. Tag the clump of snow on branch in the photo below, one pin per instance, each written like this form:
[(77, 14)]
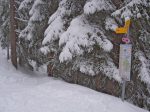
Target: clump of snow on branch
[(25, 4), (35, 11), (27, 32), (132, 9), (110, 24), (144, 73), (97, 5), (55, 29), (35, 16), (1, 34), (44, 50), (56, 24), (107, 67), (81, 35), (86, 68), (111, 71)]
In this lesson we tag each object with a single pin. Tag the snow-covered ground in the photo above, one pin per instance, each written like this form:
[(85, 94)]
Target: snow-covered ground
[(22, 92)]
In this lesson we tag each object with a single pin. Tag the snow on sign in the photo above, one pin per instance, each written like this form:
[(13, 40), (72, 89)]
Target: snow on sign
[(125, 61)]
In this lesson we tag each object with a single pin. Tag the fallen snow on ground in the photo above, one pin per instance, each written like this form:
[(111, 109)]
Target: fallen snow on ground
[(22, 92)]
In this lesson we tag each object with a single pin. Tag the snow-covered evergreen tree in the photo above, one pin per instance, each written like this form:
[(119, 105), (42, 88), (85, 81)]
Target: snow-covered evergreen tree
[(80, 37), (58, 24), (77, 39), (35, 13), (86, 43), (4, 22)]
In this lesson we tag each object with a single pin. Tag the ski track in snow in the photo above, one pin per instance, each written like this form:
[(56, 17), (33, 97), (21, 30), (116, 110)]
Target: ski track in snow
[(21, 92)]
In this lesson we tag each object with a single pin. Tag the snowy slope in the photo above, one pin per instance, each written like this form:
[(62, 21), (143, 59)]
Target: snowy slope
[(21, 92)]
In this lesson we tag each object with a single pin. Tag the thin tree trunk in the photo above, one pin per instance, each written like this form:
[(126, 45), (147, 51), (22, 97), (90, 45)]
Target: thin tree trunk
[(13, 33), (8, 48)]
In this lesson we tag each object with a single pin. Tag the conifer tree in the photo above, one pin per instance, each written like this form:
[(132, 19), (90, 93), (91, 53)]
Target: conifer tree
[(85, 45), (34, 14), (76, 40)]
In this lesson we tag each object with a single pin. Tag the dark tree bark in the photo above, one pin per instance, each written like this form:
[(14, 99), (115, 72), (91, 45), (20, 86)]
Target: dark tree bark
[(13, 33), (117, 3)]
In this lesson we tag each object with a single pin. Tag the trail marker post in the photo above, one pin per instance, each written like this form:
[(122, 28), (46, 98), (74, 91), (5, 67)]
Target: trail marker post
[(125, 56)]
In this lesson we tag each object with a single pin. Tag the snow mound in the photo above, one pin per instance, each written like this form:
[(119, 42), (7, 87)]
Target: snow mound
[(21, 92)]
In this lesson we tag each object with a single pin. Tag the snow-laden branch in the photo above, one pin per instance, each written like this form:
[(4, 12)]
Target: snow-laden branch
[(97, 5), (81, 35)]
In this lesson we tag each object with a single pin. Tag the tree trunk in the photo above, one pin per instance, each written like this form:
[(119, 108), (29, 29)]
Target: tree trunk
[(13, 33)]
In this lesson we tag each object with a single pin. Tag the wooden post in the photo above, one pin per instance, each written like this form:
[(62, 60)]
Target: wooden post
[(13, 33)]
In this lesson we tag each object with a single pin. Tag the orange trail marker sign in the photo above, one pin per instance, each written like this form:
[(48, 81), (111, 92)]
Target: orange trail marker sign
[(123, 30)]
